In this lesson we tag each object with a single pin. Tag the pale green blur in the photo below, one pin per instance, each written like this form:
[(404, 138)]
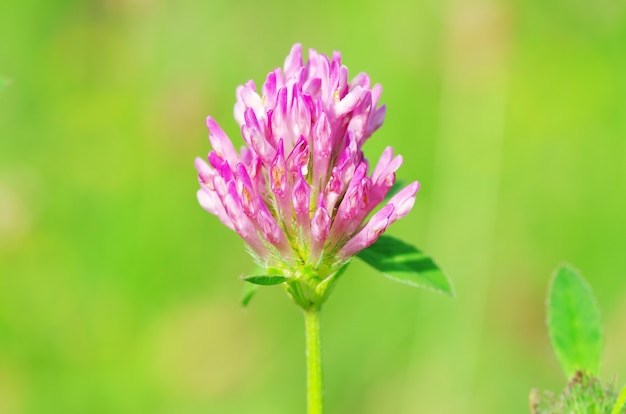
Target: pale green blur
[(119, 294)]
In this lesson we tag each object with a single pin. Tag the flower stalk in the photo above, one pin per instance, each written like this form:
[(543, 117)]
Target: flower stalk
[(313, 361)]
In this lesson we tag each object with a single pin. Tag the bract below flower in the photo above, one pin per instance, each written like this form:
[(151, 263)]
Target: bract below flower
[(299, 192)]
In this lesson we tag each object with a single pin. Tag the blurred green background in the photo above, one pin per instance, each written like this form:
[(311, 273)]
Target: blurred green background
[(119, 294)]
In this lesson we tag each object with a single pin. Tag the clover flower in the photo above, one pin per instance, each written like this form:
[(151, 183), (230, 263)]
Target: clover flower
[(300, 192)]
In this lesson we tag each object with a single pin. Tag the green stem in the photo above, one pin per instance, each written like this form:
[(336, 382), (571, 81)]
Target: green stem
[(313, 361)]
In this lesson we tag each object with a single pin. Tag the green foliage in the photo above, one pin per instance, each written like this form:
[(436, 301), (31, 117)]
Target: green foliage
[(584, 394), (576, 333), (253, 283), (265, 280), (405, 264), (249, 289), (620, 404), (574, 323)]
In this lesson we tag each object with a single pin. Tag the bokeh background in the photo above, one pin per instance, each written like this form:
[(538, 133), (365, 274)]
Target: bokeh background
[(119, 294)]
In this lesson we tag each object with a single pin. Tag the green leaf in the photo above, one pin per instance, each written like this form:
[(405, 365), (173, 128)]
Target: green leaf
[(574, 323), (405, 264), (249, 290), (621, 401), (265, 280)]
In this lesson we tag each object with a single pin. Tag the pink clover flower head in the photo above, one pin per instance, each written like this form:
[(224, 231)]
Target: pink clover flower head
[(300, 192)]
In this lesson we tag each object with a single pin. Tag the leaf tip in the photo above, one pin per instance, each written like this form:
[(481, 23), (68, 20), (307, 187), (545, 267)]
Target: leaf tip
[(574, 321), (249, 290)]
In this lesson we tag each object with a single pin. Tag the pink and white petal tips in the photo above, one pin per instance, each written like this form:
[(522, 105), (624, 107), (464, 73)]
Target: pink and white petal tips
[(384, 175), (300, 189), (322, 149), (368, 234), (255, 134), (320, 227), (280, 186), (293, 61), (205, 172), (247, 97), (403, 201), (243, 225), (221, 143), (377, 115), (301, 200), (210, 202), (351, 206)]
